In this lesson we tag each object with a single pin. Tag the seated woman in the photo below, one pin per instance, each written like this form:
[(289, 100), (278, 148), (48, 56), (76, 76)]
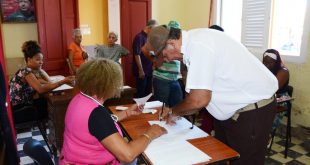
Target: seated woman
[(112, 51), (92, 135), (29, 82), (272, 60), (76, 53)]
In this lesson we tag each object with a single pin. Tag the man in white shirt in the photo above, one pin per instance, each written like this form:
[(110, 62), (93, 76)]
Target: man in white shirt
[(228, 80)]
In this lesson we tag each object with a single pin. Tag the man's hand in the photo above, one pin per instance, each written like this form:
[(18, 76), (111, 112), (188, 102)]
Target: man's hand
[(141, 74)]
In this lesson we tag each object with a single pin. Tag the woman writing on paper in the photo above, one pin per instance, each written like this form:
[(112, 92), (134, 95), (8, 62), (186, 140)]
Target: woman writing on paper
[(29, 82), (92, 135)]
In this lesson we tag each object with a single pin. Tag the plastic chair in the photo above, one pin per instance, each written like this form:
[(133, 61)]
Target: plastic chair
[(35, 150), (288, 110)]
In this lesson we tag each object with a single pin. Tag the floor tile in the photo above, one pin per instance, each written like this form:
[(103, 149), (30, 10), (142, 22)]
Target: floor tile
[(283, 142), (299, 149), (38, 137), (304, 159), (269, 161), (280, 158), (292, 154), (278, 148), (25, 160), (22, 140), (24, 135), (295, 140), (295, 162), (35, 133), (20, 147)]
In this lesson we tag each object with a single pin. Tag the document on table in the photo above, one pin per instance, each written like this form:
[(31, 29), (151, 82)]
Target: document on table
[(173, 147), (56, 78), (180, 131), (153, 104), (175, 153)]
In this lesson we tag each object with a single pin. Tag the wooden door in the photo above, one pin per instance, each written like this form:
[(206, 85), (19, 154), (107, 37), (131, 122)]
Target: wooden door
[(56, 19), (134, 16)]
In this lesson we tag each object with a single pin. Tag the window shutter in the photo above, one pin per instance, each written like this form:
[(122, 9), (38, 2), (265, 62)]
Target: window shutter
[(255, 23)]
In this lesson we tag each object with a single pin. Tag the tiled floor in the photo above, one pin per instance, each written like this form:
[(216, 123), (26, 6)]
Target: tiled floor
[(297, 155)]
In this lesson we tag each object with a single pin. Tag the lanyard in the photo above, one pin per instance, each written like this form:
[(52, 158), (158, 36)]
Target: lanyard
[(114, 117)]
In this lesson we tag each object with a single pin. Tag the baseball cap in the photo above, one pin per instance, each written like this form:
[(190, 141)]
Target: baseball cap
[(156, 39), (174, 24)]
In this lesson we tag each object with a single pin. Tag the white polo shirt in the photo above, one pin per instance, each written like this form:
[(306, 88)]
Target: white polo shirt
[(217, 62)]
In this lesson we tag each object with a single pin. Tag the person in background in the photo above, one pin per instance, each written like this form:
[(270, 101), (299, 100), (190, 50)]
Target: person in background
[(92, 135), (223, 76), (29, 82), (24, 12), (207, 118), (165, 78), (77, 54), (273, 61), (112, 51), (142, 66)]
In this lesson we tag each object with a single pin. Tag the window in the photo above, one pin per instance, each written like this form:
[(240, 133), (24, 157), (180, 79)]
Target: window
[(231, 18), (262, 24)]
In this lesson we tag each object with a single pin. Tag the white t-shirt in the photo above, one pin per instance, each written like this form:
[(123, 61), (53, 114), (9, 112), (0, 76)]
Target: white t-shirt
[(218, 63)]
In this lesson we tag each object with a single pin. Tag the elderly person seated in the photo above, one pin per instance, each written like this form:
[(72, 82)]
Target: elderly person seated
[(273, 61), (77, 54), (92, 135), (111, 51), (32, 80)]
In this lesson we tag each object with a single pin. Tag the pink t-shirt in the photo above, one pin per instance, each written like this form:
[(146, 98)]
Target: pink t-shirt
[(80, 146)]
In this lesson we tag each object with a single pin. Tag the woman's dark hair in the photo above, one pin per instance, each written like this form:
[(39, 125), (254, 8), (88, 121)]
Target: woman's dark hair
[(279, 63), (30, 49)]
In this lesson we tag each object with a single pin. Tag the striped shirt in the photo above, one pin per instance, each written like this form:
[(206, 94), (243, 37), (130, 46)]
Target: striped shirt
[(168, 71)]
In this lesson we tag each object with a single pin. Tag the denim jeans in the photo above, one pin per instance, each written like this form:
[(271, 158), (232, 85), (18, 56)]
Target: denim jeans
[(144, 86), (169, 92)]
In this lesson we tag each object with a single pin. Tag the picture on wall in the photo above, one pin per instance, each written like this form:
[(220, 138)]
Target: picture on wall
[(18, 11)]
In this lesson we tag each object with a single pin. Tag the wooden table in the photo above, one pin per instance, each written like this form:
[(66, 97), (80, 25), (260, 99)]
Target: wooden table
[(135, 126)]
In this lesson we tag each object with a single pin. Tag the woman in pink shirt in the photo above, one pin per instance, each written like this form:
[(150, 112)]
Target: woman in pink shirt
[(92, 135)]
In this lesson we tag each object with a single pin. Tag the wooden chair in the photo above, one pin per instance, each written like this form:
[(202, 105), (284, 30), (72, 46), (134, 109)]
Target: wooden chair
[(288, 110)]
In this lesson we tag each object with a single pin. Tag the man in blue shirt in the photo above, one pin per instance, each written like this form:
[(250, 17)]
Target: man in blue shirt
[(142, 67)]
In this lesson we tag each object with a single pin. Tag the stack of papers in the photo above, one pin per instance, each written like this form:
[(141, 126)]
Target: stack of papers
[(173, 147)]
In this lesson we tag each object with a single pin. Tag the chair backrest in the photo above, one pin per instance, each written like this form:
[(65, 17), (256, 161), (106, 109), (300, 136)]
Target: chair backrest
[(35, 150)]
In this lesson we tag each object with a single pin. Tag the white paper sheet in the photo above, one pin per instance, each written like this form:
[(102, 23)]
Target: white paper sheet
[(180, 131), (153, 104), (175, 153), (152, 111), (126, 87), (62, 87), (143, 100), (173, 147), (123, 108), (56, 78)]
